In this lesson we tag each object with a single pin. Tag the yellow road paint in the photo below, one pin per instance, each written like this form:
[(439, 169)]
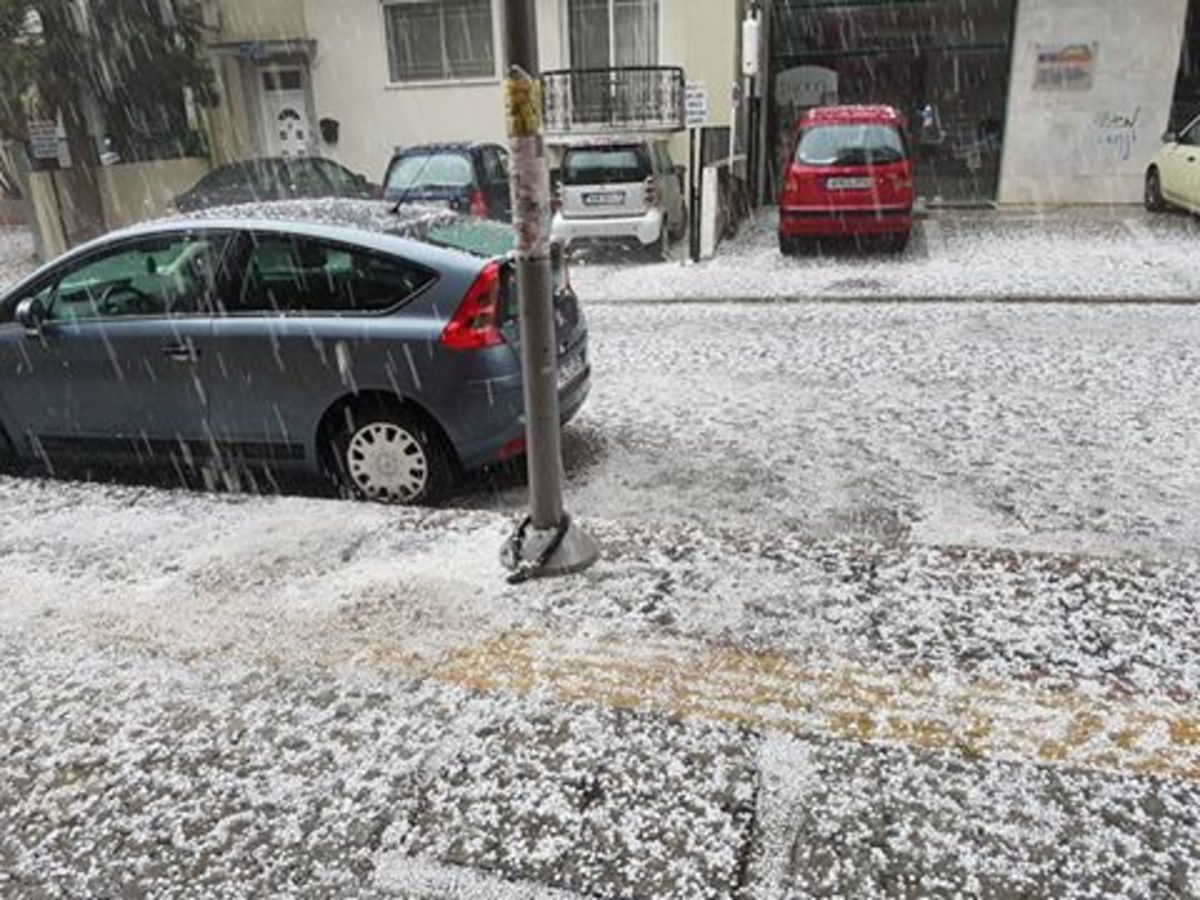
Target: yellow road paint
[(772, 691)]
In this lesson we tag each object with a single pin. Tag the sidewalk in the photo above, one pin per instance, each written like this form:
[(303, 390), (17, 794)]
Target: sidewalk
[(16, 255), (1074, 253)]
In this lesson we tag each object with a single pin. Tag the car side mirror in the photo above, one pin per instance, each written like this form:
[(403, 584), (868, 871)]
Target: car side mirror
[(31, 313), (1169, 137)]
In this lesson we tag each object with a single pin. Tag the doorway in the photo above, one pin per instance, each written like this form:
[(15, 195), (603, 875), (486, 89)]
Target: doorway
[(610, 34), (604, 36), (1186, 104), (286, 126)]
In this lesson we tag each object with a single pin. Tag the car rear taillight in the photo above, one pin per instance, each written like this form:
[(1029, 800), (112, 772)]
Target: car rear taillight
[(556, 198), (479, 204), (476, 323), (651, 192), (792, 185)]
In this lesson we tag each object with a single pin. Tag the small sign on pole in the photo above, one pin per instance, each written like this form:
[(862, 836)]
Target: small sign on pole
[(43, 138), (695, 109), (695, 104)]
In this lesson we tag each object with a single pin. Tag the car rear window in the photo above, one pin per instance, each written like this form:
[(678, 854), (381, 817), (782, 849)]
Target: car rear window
[(607, 165), (850, 145), (446, 170)]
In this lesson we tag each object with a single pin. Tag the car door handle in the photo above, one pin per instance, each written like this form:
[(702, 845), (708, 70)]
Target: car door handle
[(182, 351)]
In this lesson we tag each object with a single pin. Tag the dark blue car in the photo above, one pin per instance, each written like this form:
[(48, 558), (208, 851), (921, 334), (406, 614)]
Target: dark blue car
[(388, 363), (470, 178)]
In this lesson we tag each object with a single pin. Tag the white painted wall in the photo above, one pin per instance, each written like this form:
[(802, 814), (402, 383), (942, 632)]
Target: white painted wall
[(1069, 146), (351, 84), (350, 77)]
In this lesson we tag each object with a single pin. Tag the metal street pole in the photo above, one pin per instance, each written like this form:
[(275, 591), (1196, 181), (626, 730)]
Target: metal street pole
[(547, 542)]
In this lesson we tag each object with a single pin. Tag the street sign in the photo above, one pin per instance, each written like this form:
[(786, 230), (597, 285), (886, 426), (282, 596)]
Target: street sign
[(695, 104), (43, 138)]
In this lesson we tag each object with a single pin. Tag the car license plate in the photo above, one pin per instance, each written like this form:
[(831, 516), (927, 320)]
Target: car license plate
[(570, 368), (848, 184), (609, 198)]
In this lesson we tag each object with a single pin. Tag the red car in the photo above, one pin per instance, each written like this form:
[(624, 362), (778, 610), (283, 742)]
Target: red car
[(849, 175)]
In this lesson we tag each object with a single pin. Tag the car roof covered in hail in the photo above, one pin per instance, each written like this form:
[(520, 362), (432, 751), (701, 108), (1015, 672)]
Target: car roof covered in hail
[(411, 229), (853, 114)]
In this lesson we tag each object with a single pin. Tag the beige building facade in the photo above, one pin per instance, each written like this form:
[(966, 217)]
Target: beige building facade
[(353, 79)]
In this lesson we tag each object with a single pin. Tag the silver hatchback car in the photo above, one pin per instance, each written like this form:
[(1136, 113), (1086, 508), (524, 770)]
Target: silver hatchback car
[(387, 363), (620, 192)]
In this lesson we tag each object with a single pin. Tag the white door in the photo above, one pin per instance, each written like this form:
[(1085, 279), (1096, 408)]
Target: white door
[(285, 112)]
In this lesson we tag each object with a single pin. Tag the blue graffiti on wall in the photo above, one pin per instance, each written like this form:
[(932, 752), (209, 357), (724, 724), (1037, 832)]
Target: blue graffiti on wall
[(1117, 134)]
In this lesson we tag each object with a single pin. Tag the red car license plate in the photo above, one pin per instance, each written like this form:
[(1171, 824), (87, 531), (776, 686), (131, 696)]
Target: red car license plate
[(848, 184)]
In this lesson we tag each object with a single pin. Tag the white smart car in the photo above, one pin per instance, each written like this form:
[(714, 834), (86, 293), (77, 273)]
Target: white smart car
[(620, 192)]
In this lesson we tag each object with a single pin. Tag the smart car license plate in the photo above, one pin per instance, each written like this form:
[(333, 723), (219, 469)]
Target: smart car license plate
[(607, 198), (570, 368), (848, 184)]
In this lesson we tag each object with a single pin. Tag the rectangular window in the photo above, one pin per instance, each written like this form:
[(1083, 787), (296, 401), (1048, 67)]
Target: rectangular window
[(440, 40), (612, 33), (170, 275)]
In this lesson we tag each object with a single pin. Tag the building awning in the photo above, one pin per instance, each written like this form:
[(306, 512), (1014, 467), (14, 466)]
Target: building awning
[(263, 51)]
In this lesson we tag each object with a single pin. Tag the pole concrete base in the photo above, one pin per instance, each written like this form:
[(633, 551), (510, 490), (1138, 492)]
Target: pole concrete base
[(534, 554)]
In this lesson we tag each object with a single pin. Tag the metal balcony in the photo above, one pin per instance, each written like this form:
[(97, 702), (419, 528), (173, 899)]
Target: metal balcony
[(587, 102)]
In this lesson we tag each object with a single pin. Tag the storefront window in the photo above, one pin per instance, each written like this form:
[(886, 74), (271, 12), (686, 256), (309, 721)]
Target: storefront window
[(944, 64)]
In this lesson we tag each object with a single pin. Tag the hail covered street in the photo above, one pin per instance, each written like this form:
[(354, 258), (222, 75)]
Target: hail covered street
[(899, 598)]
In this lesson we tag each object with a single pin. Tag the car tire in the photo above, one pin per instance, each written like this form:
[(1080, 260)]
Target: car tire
[(789, 245), (8, 455), (682, 230), (658, 249), (390, 456), (1153, 197), (897, 243)]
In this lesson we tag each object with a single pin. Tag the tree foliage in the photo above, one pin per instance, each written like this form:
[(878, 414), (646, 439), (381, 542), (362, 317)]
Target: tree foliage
[(140, 69), (134, 58), (18, 68)]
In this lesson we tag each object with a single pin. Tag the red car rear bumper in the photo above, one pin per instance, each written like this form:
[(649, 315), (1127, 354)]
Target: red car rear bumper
[(808, 221)]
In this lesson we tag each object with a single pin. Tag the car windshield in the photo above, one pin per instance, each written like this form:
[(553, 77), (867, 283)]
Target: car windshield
[(850, 145), (340, 178), (607, 165), (432, 170), (479, 237)]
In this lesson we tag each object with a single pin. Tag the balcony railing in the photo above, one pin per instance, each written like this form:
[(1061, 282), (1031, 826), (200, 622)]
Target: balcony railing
[(600, 101)]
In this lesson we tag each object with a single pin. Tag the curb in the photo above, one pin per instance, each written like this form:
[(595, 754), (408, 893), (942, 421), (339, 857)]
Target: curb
[(897, 299)]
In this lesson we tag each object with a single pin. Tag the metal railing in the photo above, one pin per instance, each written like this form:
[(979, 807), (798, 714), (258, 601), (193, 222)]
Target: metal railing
[(594, 101)]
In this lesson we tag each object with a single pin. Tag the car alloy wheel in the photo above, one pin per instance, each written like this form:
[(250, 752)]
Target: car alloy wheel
[(390, 461)]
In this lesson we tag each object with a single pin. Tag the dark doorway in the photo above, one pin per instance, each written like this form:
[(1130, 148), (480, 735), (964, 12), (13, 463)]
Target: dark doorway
[(1187, 87), (943, 63)]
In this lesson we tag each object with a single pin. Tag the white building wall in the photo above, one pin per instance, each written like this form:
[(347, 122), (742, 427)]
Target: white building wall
[(351, 83), (351, 79), (1090, 145)]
